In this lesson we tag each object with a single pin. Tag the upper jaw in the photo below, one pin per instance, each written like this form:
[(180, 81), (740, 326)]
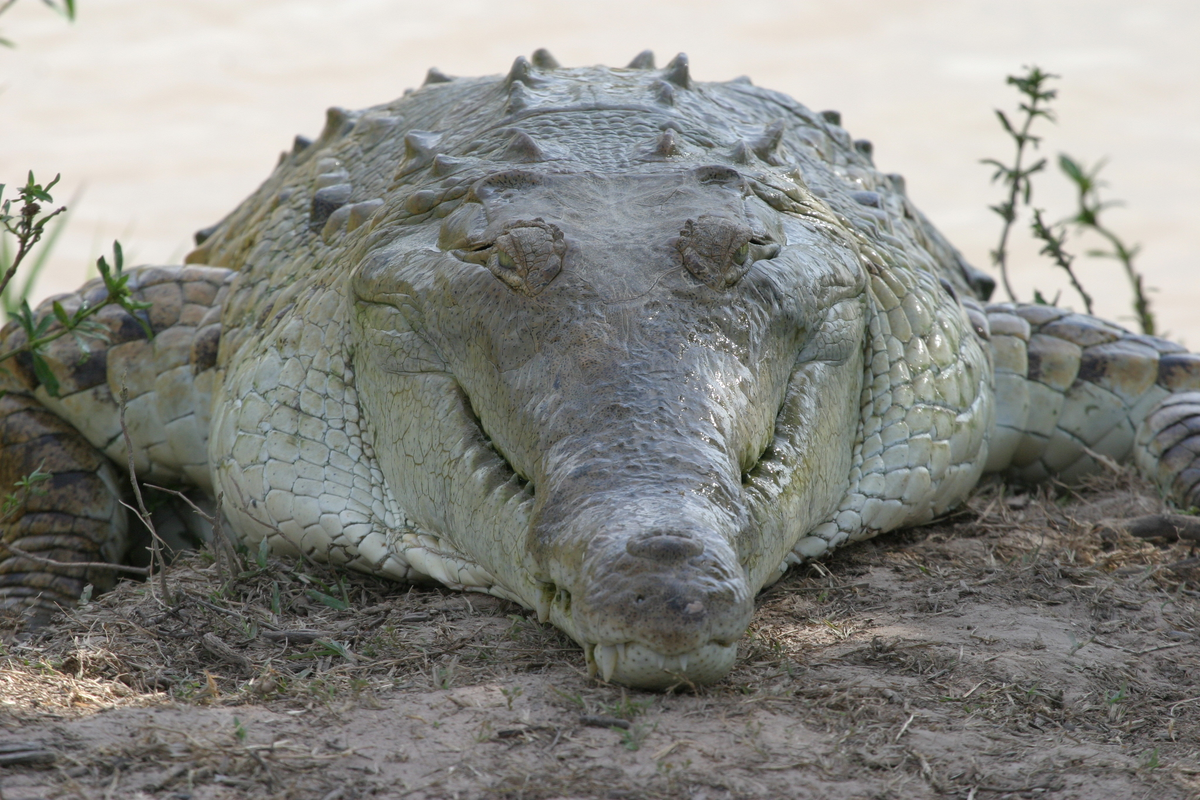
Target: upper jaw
[(659, 597)]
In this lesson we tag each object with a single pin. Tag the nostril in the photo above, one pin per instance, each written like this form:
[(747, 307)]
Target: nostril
[(665, 547)]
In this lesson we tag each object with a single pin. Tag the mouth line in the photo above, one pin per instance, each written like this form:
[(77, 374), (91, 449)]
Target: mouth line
[(524, 482), (640, 665)]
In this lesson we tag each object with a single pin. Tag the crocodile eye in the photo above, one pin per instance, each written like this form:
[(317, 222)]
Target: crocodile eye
[(526, 255), (741, 254), (715, 249)]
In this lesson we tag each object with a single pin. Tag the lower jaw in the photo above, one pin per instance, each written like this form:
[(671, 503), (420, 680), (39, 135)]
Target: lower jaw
[(640, 667)]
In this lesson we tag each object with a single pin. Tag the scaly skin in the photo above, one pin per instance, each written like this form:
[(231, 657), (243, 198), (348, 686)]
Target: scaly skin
[(612, 344)]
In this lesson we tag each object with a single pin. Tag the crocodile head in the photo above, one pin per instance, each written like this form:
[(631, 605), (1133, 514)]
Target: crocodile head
[(625, 396)]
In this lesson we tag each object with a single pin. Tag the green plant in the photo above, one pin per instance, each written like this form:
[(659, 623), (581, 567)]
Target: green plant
[(14, 293), (1052, 246), (511, 694), (66, 8), (627, 707), (41, 331), (1087, 218), (30, 221), (1017, 178), (633, 736), (25, 486), (27, 226)]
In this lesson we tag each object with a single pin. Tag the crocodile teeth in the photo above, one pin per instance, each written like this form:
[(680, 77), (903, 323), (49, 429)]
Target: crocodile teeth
[(606, 660), (542, 602), (662, 661), (683, 662)]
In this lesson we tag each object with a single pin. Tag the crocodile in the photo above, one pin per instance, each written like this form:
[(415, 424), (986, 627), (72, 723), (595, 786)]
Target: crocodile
[(617, 345)]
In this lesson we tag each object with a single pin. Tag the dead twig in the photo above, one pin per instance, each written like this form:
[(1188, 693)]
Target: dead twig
[(50, 562), (222, 544), (213, 644), (156, 543)]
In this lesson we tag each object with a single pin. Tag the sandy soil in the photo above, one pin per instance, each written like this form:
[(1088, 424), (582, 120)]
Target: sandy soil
[(1025, 648), (162, 116)]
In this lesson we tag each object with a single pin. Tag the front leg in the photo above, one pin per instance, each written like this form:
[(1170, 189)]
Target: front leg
[(1070, 387)]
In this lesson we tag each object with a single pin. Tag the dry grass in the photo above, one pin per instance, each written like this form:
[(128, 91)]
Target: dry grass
[(1027, 647)]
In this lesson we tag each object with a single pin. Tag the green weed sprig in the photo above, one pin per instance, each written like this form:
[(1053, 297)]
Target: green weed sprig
[(1036, 97), (40, 332), (1087, 218), (26, 225), (1052, 245), (1017, 177), (66, 8)]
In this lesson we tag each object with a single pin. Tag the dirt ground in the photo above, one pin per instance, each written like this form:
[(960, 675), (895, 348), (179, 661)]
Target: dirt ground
[(1028, 647)]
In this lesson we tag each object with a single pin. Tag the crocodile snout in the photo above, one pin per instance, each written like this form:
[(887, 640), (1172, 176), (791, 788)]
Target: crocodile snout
[(664, 547), (662, 607)]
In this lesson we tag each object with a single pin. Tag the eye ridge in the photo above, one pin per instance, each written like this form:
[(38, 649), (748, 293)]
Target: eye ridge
[(525, 255), (718, 250)]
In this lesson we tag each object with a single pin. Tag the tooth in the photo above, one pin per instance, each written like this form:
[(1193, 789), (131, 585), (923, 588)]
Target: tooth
[(591, 660), (606, 659), (683, 659), (662, 661), (541, 602)]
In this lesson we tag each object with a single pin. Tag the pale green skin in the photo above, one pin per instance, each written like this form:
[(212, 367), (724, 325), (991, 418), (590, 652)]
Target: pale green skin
[(629, 442)]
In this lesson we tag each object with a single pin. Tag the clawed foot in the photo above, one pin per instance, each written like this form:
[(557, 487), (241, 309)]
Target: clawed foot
[(1168, 448)]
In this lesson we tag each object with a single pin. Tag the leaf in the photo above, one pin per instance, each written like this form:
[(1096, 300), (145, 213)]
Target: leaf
[(1005, 210), (329, 600), (1005, 123), (1072, 170), (33, 190), (44, 375), (61, 314), (333, 647)]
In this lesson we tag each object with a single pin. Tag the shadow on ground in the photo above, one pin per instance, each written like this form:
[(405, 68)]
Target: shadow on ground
[(1028, 647)]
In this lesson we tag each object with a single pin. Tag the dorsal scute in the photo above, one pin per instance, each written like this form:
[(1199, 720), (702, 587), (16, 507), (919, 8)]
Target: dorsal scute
[(522, 147), (643, 60), (521, 72), (548, 118), (678, 72), (542, 59)]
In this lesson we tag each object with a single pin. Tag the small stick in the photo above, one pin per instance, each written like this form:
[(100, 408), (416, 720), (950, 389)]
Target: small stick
[(50, 562), (217, 521), (156, 551)]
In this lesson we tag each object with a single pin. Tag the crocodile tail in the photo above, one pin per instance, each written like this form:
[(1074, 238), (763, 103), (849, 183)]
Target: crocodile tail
[(1072, 390)]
